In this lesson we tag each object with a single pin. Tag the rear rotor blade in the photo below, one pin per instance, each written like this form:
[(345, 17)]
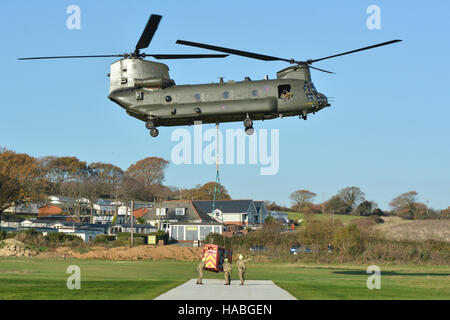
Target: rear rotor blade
[(232, 51), (149, 31), (76, 57), (353, 51), (320, 69), (186, 56)]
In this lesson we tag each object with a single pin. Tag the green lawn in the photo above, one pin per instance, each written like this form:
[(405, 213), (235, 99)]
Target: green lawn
[(22, 278)]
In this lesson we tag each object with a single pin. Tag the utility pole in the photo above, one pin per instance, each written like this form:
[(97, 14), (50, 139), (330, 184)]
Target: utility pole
[(323, 202), (132, 216)]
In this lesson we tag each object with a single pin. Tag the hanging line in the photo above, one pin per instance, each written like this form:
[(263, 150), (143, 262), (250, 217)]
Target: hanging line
[(217, 167)]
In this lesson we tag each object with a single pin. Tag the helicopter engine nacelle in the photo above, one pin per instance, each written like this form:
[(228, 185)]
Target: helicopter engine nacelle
[(300, 72), (136, 72)]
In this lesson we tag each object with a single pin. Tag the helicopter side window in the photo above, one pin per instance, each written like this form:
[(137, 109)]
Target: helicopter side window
[(226, 94), (283, 90)]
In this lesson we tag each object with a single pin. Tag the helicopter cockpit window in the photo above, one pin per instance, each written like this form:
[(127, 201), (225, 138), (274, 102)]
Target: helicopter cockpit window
[(284, 90), (313, 88)]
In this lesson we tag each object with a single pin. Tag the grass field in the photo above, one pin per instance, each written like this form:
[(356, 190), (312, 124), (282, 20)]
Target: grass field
[(104, 279), (342, 217)]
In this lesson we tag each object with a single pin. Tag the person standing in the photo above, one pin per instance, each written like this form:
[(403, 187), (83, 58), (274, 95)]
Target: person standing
[(200, 268), (227, 268), (241, 267)]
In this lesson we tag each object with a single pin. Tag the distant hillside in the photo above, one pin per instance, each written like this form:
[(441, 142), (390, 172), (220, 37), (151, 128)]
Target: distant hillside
[(400, 229)]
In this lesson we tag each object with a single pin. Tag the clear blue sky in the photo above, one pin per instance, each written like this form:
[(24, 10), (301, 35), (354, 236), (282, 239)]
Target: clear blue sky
[(386, 132)]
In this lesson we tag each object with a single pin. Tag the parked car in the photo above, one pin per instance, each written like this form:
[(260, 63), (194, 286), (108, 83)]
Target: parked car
[(257, 248), (297, 249)]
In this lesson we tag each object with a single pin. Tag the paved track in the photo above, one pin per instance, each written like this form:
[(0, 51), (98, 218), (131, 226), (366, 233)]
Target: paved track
[(214, 289)]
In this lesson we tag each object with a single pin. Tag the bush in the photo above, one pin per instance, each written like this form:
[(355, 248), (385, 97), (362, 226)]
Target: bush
[(348, 239), (319, 232), (61, 237), (104, 238), (160, 235), (218, 239)]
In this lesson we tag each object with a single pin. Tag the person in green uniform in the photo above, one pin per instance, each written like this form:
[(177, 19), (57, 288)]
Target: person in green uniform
[(241, 267), (200, 268), (227, 268)]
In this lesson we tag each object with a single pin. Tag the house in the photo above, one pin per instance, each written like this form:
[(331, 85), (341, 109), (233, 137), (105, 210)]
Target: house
[(24, 208), (262, 211), (182, 220), (116, 228), (189, 232), (174, 211), (49, 210), (85, 233), (238, 212)]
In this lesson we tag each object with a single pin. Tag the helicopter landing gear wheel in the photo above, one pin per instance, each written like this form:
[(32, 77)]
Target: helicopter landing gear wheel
[(248, 123), (249, 131), (304, 115), (150, 125), (154, 132)]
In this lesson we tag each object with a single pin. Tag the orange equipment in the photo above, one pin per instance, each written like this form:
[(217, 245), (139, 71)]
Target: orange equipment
[(215, 256)]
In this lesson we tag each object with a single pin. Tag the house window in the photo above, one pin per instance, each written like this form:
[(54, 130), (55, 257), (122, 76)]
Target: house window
[(180, 211), (244, 217), (161, 211)]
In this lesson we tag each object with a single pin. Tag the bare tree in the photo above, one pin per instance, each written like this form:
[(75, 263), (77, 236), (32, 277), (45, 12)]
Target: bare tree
[(353, 196), (301, 198), (405, 204)]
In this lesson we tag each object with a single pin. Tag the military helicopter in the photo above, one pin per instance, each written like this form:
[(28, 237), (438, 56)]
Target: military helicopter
[(146, 91)]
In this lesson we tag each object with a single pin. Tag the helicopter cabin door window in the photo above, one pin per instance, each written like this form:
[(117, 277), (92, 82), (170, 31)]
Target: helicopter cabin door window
[(284, 91)]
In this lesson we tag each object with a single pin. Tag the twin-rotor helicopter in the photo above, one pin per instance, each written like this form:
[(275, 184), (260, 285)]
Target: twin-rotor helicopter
[(146, 91)]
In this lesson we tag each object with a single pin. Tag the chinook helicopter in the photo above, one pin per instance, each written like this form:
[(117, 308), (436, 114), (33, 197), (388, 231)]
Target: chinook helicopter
[(146, 91)]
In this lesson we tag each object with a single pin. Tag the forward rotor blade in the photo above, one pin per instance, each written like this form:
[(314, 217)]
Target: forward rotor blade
[(320, 69), (149, 31), (353, 51), (232, 51), (186, 56), (75, 57)]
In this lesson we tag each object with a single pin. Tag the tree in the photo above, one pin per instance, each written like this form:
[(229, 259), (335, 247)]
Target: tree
[(405, 204), (302, 198), (62, 169), (352, 196), (9, 191), (102, 180), (24, 171), (206, 192), (337, 205), (149, 170), (364, 208), (445, 214)]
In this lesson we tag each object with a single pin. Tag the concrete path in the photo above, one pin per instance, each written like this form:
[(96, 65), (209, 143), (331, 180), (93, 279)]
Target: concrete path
[(214, 289)]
